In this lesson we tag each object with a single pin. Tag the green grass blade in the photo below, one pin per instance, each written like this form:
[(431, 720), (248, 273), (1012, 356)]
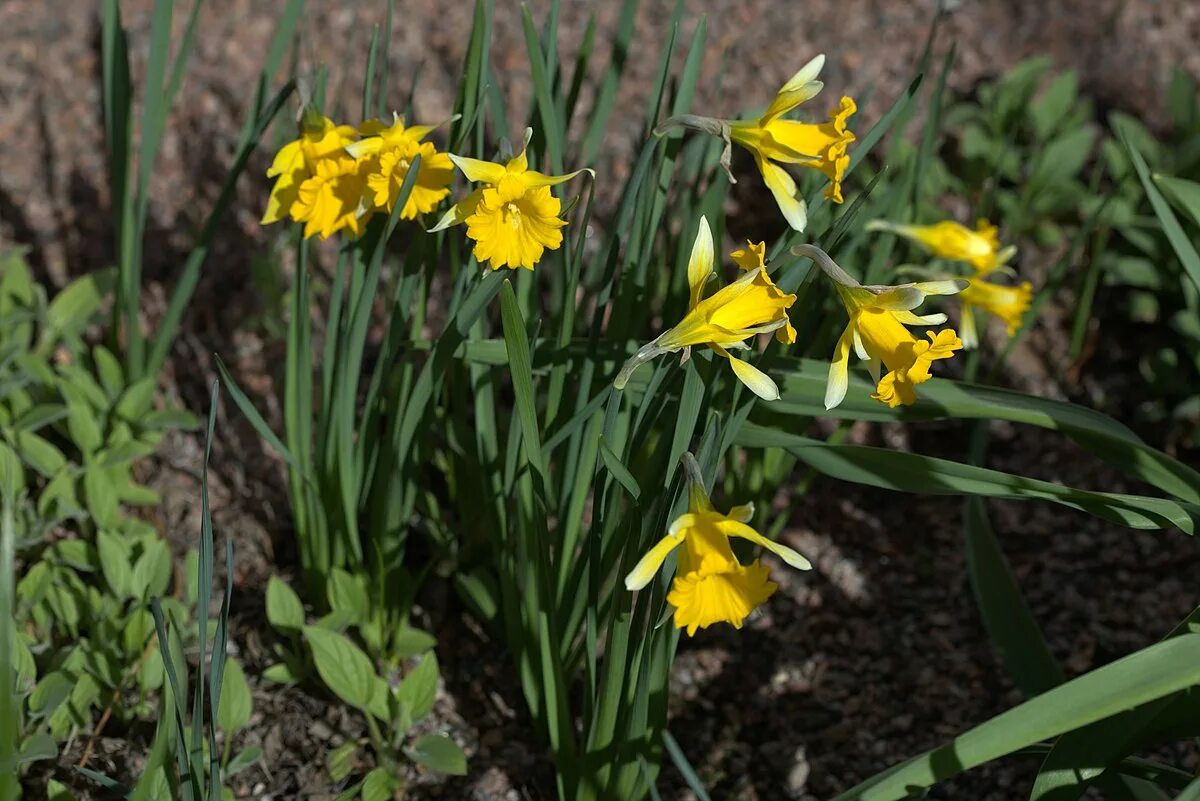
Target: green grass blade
[(1140, 678), (911, 472), (684, 767), (1180, 243), (606, 95), (1009, 622), (246, 407), (551, 130), (520, 367)]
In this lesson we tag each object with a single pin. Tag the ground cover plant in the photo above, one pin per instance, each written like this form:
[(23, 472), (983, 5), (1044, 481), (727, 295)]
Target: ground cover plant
[(570, 401)]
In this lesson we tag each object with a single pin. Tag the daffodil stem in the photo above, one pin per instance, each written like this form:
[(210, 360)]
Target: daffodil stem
[(644, 354), (827, 265)]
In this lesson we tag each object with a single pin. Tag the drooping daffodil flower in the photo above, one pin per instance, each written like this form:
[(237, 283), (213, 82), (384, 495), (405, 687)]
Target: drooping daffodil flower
[(980, 248), (513, 219), (774, 141), (389, 151), (954, 241), (711, 585), (751, 305), (877, 332)]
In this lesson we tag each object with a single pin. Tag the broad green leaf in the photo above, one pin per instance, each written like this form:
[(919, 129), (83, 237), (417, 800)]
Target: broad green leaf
[(340, 761), (109, 371), (50, 692), (419, 688), (236, 704), (410, 642), (284, 610), (438, 752), (378, 786), (1154, 672), (152, 571), (38, 453), (242, 760), (73, 308), (115, 562), (344, 668), (135, 402)]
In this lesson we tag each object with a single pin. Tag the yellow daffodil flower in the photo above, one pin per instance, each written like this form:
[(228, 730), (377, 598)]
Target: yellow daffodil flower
[(980, 249), (513, 219), (391, 149), (878, 334), (750, 305), (333, 198), (754, 257), (954, 241), (710, 585), (320, 139), (1009, 303), (774, 141)]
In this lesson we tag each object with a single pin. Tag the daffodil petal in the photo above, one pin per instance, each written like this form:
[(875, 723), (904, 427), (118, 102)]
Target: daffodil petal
[(900, 298), (784, 189), (649, 564), (908, 318), (479, 171), (733, 528), (535, 178), (806, 74), (949, 286), (743, 513), (839, 370), (459, 212), (755, 380), (967, 332), (700, 264)]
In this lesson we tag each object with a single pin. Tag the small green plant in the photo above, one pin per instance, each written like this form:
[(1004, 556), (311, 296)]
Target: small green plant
[(187, 761), (392, 697)]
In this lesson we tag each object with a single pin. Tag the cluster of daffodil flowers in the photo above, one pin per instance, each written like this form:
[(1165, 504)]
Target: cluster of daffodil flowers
[(336, 177)]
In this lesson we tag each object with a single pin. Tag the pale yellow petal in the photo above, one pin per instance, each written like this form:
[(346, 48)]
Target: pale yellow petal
[(733, 528), (784, 189), (534, 178), (649, 564), (700, 264), (755, 380), (479, 171), (839, 370)]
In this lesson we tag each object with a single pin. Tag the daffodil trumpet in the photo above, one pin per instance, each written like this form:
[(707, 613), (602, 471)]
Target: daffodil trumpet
[(710, 585), (877, 333), (723, 321), (513, 218), (774, 141)]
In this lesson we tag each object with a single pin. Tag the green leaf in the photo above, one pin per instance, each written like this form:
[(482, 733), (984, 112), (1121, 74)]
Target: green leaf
[(418, 691), (73, 308), (340, 761), (82, 425), (378, 785), (242, 760), (38, 453), (108, 369), (411, 642), (152, 571), (619, 471), (438, 752), (1010, 623), (114, 562), (348, 595), (50, 692), (280, 673), (1183, 193), (136, 401), (284, 610), (236, 704), (342, 665), (1151, 673)]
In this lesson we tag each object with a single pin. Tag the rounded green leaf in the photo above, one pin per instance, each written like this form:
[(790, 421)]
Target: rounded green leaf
[(284, 610), (438, 752), (342, 665), (236, 704)]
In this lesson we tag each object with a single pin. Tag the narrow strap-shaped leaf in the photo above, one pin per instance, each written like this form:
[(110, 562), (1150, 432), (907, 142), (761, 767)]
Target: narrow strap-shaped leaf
[(1142, 677)]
